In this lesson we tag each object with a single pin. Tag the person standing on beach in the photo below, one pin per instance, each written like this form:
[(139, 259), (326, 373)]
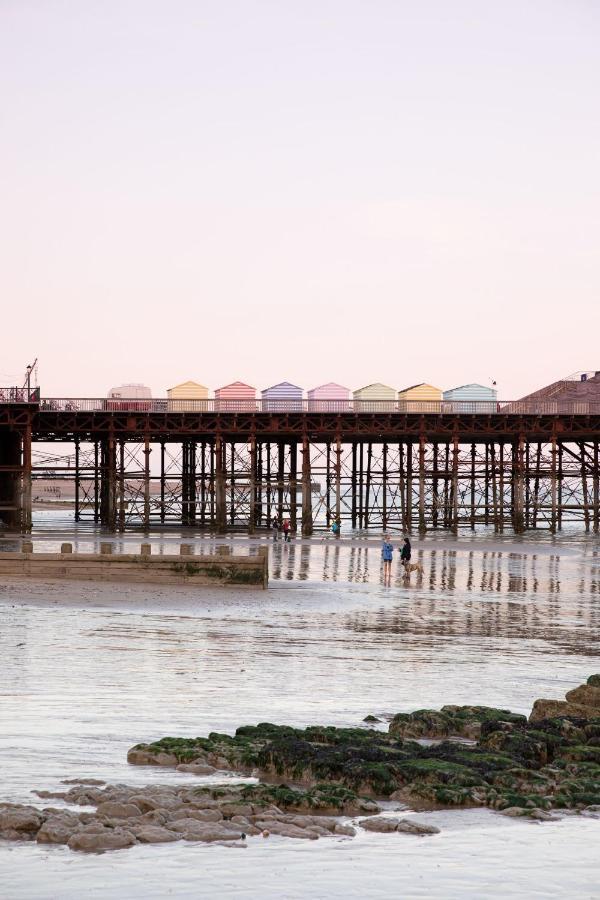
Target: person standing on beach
[(406, 554), (387, 551), (286, 531), (275, 527)]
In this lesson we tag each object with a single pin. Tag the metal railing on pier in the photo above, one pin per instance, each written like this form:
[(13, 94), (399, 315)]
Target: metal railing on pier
[(431, 407), (19, 395)]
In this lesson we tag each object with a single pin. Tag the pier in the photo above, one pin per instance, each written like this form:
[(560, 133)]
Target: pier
[(219, 465)]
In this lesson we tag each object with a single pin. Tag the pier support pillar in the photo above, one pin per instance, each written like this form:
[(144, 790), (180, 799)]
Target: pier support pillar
[(307, 519), (518, 498), (108, 483), (220, 499), (422, 526), (11, 478)]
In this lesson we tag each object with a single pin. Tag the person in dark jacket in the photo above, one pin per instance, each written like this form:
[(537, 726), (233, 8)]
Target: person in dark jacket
[(406, 553)]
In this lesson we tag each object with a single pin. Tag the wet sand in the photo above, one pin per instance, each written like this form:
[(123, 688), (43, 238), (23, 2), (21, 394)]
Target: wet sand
[(91, 669)]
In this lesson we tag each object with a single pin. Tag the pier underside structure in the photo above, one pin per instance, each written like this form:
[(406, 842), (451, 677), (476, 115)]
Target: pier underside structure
[(370, 470)]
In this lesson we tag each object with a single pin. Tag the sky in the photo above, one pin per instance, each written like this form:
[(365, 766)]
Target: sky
[(326, 190)]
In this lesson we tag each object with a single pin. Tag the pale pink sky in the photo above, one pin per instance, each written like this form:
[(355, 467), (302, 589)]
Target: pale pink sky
[(311, 191)]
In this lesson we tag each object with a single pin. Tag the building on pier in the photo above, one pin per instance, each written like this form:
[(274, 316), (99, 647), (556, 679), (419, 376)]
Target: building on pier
[(236, 397), (470, 398), (420, 398), (282, 397), (578, 393), (330, 397), (132, 396), (375, 398), (187, 396)]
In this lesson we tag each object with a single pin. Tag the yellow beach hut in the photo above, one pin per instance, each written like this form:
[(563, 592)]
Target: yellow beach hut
[(420, 398), (189, 396), (374, 398)]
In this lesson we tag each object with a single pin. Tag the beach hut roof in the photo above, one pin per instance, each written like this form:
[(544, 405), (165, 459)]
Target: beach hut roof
[(332, 384), (473, 384), (420, 384), (189, 384), (237, 384), (376, 384), (283, 384)]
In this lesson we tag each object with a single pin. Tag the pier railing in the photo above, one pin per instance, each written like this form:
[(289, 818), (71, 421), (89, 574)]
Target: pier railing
[(435, 407), (19, 395)]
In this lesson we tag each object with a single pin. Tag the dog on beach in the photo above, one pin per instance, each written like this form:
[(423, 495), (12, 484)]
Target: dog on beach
[(413, 567)]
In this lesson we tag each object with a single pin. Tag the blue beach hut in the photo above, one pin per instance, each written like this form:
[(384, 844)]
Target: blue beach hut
[(470, 398)]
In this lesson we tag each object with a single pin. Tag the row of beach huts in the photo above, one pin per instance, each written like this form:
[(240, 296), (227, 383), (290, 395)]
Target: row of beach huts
[(330, 397)]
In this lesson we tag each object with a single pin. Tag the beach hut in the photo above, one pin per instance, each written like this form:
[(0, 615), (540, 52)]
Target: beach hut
[(132, 396), (420, 398), (187, 396), (235, 397), (374, 398), (330, 397), (282, 397), (470, 398)]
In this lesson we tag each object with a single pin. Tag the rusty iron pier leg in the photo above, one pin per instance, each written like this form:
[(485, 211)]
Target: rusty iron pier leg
[(252, 512), (353, 485), (435, 496), (108, 482), (455, 483), (553, 486), (422, 525), (162, 482), (328, 484), (220, 498), (307, 519), (293, 486), (473, 488), (447, 505), (409, 487), (560, 487), (385, 485), (518, 449), (338, 478), (584, 486), (536, 484), (146, 481), (367, 507), (596, 490), (494, 486), (502, 489), (402, 487), (77, 480), (232, 479), (26, 520), (486, 514), (121, 485), (96, 481), (280, 479), (360, 484), (259, 484)]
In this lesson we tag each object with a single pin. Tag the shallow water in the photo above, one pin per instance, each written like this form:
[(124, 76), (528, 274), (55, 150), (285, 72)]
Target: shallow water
[(89, 670)]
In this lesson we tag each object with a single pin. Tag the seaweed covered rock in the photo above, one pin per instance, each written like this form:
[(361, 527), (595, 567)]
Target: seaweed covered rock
[(450, 721)]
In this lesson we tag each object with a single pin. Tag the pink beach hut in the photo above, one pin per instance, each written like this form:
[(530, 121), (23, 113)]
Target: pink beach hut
[(330, 397), (282, 397), (235, 397)]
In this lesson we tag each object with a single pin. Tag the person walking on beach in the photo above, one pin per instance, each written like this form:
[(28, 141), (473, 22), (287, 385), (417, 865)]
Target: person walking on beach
[(387, 551), (336, 528), (275, 527), (286, 531), (405, 554)]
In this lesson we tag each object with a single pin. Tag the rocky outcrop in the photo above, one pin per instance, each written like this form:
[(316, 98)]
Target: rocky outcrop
[(582, 702), (386, 824), (450, 721)]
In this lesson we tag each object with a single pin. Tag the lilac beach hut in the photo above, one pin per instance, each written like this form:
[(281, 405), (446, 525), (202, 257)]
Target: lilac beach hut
[(282, 397), (330, 397)]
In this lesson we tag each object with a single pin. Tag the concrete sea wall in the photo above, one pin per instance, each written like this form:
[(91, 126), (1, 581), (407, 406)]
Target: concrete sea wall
[(221, 568)]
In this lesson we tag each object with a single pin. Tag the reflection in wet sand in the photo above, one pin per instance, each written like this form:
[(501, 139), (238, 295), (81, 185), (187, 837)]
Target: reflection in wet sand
[(90, 669)]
